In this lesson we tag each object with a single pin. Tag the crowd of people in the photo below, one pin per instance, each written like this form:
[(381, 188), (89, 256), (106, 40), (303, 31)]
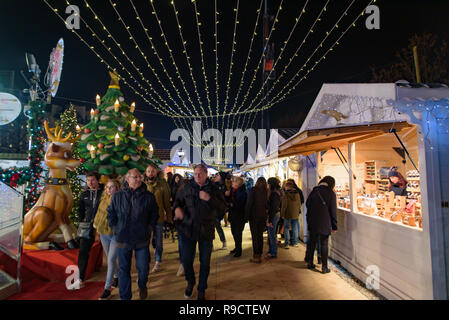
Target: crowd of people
[(129, 216)]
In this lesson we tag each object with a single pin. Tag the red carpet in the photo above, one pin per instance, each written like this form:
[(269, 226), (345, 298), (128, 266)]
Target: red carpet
[(43, 290), (43, 273)]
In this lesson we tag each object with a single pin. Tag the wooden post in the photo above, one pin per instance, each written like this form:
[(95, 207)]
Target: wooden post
[(352, 182), (415, 57)]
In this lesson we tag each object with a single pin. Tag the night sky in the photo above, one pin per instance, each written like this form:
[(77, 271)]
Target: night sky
[(30, 26)]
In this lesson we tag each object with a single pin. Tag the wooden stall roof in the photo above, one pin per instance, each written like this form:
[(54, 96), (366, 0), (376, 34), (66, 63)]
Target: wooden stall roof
[(311, 141)]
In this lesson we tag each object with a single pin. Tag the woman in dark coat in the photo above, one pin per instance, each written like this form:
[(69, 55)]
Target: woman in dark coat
[(274, 207), (256, 214), (237, 213), (321, 219)]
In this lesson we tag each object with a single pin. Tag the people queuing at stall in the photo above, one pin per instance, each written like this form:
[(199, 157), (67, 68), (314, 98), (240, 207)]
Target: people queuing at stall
[(128, 215)]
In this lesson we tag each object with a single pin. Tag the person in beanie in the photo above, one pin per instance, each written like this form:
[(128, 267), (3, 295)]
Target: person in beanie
[(321, 219), (132, 215), (194, 207), (398, 184)]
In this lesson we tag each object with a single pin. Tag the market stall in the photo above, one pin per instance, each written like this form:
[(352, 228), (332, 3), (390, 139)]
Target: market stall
[(357, 133)]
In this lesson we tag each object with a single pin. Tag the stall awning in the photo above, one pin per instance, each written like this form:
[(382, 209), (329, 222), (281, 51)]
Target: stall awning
[(316, 140)]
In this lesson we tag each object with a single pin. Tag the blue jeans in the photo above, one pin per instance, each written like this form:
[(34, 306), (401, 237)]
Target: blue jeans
[(295, 231), (142, 256), (188, 256), (272, 239), (110, 249), (157, 241)]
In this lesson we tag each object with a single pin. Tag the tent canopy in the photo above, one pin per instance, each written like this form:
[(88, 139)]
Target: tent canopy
[(316, 140)]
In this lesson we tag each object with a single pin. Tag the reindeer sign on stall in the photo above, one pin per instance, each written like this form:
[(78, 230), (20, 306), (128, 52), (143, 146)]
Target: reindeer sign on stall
[(54, 205)]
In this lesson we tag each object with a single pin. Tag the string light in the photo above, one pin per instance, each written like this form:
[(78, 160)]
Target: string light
[(109, 67), (248, 57), (318, 18), (202, 59), (131, 37), (160, 60), (173, 59), (271, 103), (328, 33), (259, 63), (187, 56), (143, 55)]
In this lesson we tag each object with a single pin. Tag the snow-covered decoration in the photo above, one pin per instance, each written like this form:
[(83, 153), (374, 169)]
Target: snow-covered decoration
[(427, 113), (339, 110)]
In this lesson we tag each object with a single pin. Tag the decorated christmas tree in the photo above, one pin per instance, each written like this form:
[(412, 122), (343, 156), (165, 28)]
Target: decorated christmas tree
[(113, 141)]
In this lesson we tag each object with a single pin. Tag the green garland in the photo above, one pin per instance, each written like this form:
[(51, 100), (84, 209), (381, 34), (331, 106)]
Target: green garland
[(31, 174)]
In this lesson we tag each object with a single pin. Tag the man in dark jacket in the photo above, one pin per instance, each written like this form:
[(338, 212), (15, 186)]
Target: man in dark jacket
[(194, 207), (132, 215), (87, 208), (321, 219)]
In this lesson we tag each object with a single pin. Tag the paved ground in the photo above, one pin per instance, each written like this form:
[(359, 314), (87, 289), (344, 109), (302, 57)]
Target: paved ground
[(285, 278)]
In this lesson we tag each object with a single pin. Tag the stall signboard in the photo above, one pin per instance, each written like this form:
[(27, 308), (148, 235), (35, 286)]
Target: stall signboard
[(10, 108)]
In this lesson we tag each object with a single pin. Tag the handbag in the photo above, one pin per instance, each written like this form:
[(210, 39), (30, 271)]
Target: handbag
[(84, 230)]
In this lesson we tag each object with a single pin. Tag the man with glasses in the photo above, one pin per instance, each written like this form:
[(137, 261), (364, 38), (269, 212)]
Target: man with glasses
[(132, 215), (194, 207)]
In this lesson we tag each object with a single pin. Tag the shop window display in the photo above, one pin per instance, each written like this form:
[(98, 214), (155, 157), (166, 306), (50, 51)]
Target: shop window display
[(390, 188)]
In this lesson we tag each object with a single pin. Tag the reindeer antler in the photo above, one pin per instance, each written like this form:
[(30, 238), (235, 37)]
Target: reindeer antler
[(57, 136)]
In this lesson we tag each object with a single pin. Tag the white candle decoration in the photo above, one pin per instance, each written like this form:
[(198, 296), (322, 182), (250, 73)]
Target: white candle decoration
[(117, 139), (116, 106), (92, 152), (133, 125), (98, 100)]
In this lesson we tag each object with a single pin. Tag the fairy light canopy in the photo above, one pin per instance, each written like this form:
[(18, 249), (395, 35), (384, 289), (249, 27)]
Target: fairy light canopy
[(194, 60)]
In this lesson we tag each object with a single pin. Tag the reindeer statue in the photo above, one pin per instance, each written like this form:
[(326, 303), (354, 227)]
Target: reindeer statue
[(55, 203)]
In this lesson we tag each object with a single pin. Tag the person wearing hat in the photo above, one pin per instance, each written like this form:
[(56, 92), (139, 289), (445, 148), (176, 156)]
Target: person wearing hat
[(398, 184)]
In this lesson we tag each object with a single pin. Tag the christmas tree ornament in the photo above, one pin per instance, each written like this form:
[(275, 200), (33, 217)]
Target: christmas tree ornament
[(121, 99), (100, 145), (117, 139), (78, 129), (126, 157), (120, 128), (116, 105), (133, 125), (92, 152)]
